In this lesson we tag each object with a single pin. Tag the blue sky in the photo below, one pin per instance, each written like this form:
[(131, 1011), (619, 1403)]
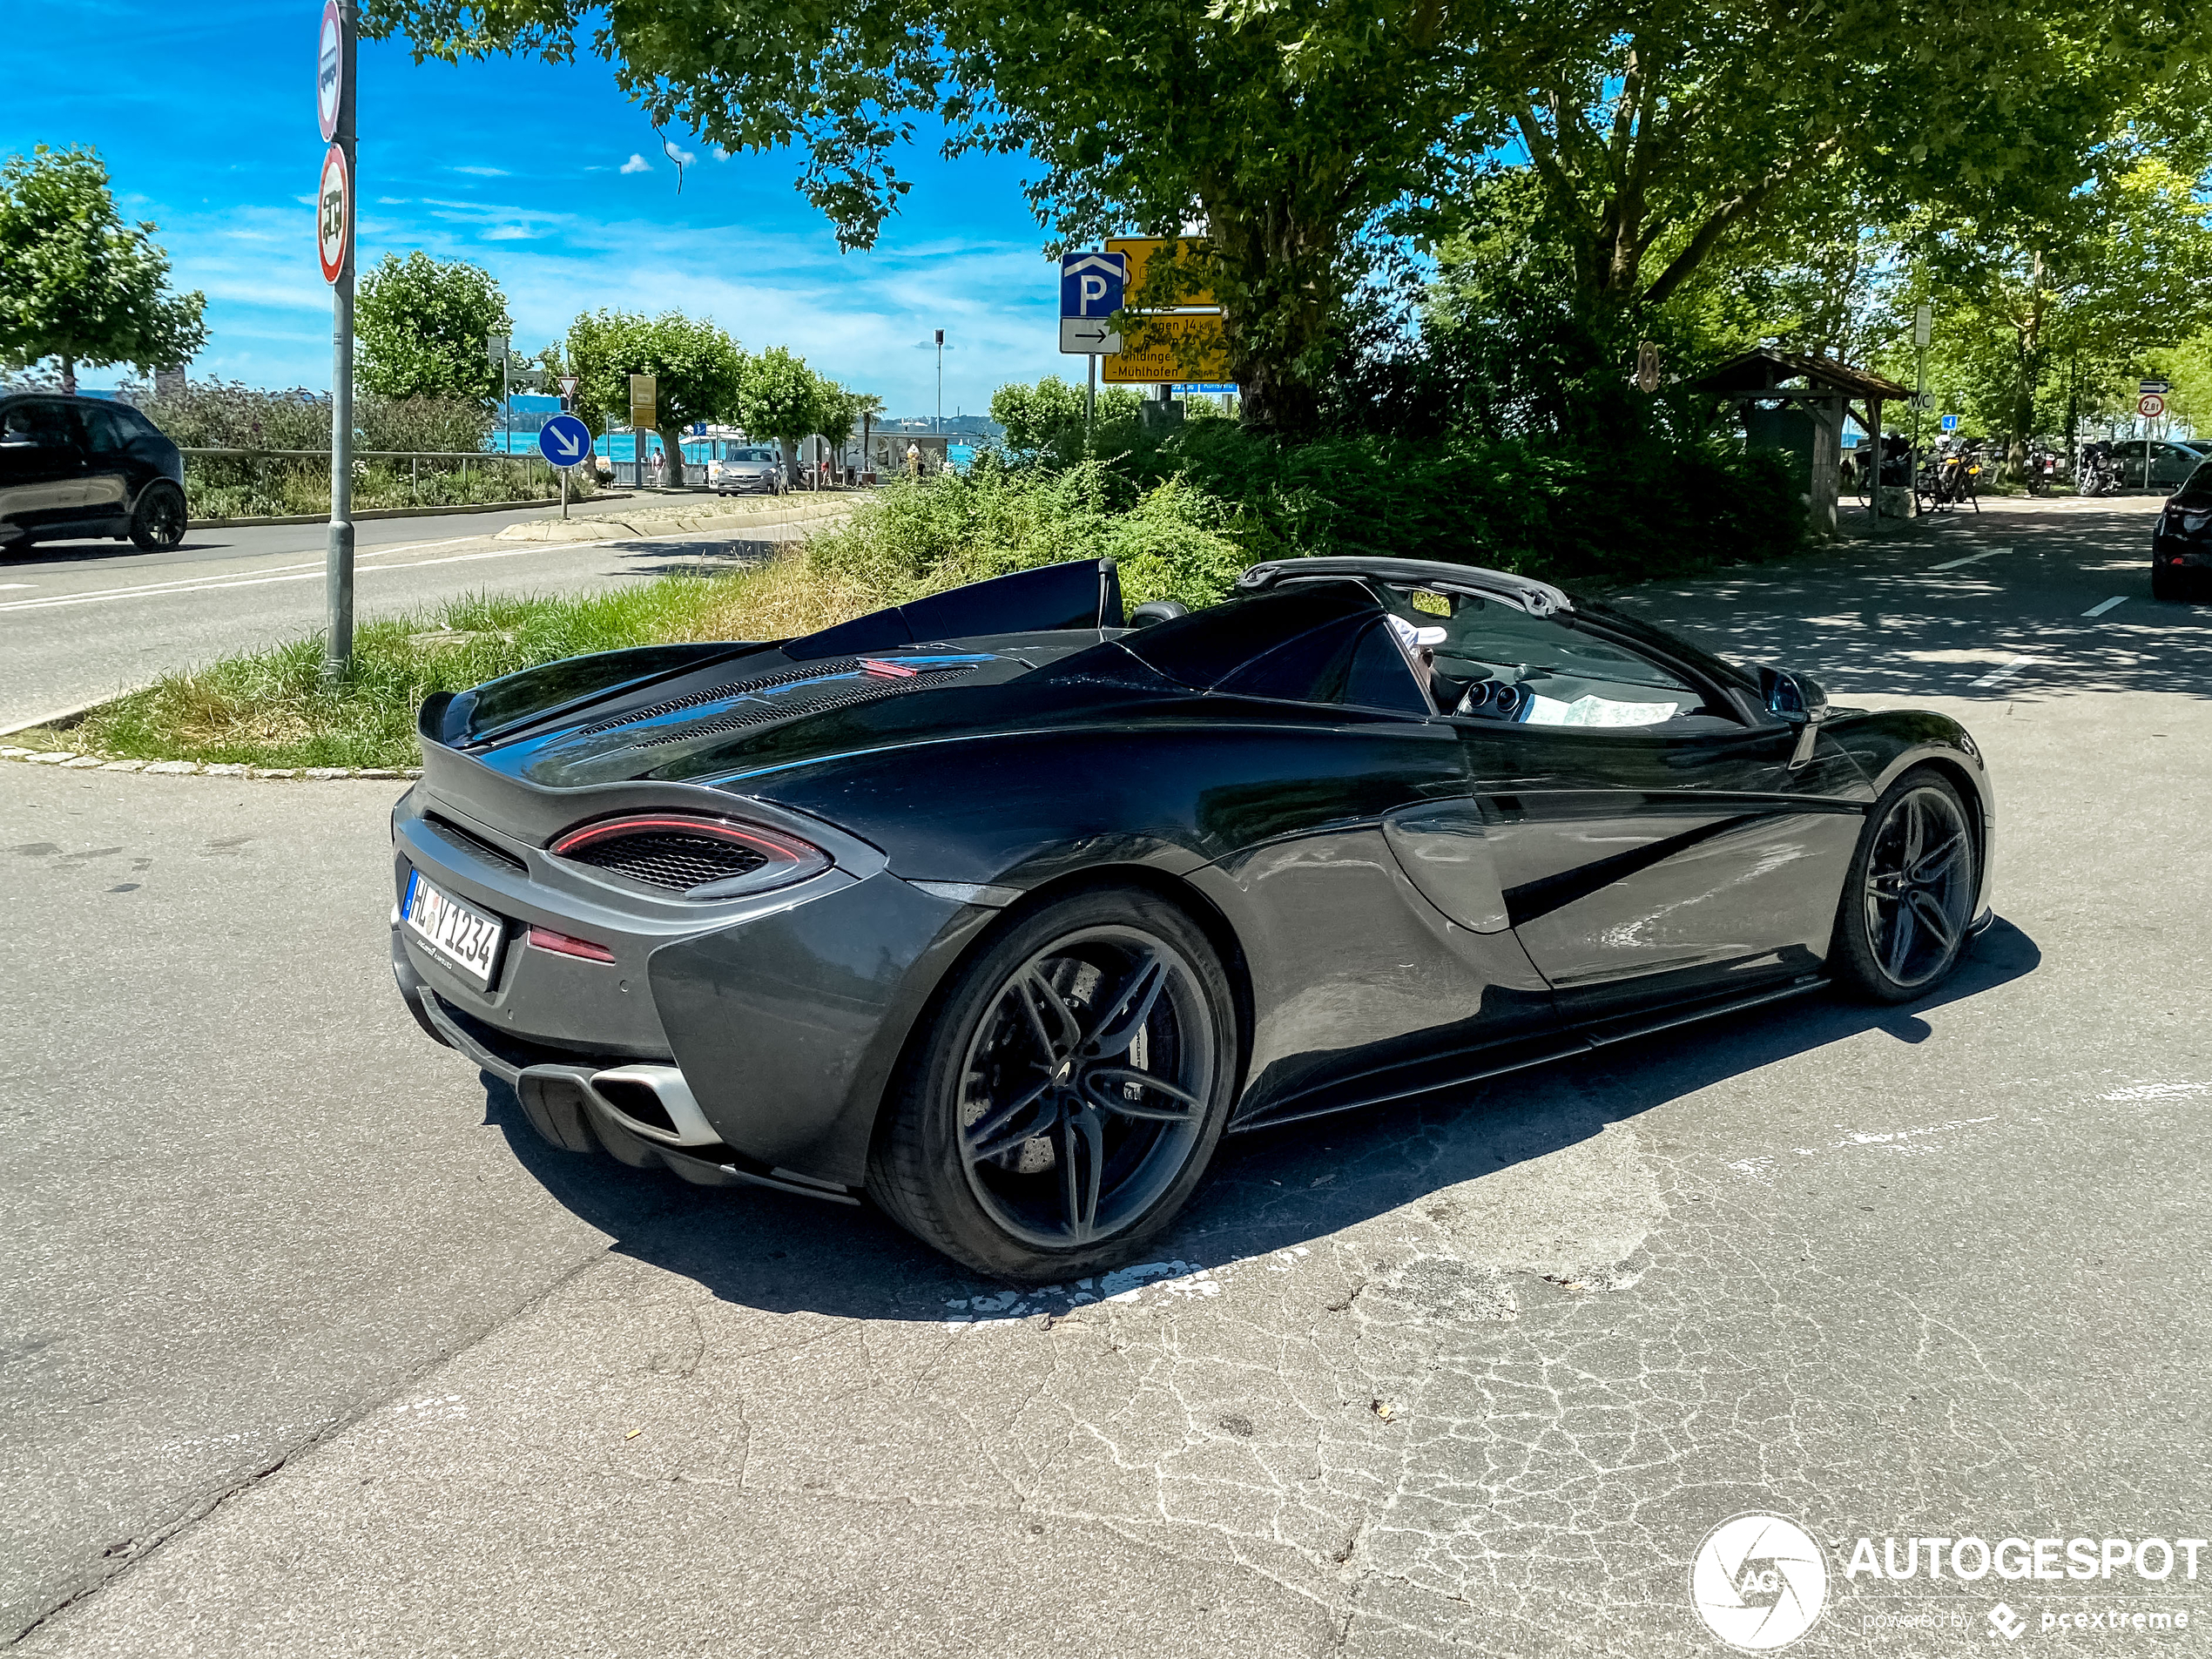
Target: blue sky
[(205, 115)]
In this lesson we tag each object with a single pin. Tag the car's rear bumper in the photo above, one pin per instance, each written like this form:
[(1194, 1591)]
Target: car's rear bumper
[(780, 1019)]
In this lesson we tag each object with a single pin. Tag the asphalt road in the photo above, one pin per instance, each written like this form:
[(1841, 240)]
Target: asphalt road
[(81, 621), (311, 1348)]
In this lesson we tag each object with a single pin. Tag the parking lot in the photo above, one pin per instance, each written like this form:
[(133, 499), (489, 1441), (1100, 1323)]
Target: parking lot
[(312, 1347)]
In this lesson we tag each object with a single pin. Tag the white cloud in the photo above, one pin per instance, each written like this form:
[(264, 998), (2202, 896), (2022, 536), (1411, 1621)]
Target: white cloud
[(484, 172), (636, 164), (681, 158), (720, 154)]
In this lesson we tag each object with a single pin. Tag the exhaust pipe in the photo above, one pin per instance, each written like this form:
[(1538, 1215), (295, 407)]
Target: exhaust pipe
[(653, 1101)]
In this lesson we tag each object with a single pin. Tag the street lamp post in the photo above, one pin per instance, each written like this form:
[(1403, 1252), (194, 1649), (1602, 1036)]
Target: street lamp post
[(940, 379)]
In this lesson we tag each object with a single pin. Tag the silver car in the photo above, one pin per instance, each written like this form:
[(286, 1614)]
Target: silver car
[(760, 469)]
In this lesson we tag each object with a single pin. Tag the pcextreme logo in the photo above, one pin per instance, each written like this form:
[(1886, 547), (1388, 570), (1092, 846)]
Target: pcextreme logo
[(1758, 1581)]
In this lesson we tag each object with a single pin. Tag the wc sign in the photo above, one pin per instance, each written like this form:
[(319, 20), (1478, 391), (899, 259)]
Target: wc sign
[(1091, 283)]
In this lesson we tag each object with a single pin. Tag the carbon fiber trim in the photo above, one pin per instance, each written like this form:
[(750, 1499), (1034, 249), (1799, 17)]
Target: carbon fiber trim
[(723, 692)]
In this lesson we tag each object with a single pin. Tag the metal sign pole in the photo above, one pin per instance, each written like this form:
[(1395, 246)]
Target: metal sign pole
[(1091, 391), (338, 560)]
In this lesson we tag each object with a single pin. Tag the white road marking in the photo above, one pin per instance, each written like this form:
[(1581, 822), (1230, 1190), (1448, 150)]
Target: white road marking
[(292, 573), (2099, 610), (4, 586), (1971, 558), (2006, 672)]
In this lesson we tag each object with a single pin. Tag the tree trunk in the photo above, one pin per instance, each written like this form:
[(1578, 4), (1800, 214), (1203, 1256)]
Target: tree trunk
[(671, 440), (69, 374), (790, 446)]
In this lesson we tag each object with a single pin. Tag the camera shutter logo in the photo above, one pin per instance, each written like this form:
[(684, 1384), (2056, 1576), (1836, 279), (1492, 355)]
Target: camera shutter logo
[(1758, 1581)]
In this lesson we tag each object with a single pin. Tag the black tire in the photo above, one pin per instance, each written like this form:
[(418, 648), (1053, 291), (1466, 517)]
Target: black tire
[(1908, 901), (1037, 1171), (157, 521)]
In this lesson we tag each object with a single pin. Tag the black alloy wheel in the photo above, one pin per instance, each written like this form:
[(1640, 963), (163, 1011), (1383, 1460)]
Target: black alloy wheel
[(157, 521), (1070, 1093), (1910, 900)]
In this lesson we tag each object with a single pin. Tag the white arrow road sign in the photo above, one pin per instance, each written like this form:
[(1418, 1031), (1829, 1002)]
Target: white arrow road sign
[(1081, 337)]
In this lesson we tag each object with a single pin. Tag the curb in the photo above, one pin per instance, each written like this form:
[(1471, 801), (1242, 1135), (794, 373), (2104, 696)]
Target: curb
[(73, 762)]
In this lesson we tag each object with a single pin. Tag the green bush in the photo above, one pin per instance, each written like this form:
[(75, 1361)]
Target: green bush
[(1183, 512)]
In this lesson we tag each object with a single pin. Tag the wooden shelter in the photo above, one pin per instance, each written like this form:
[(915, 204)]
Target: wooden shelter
[(1824, 389)]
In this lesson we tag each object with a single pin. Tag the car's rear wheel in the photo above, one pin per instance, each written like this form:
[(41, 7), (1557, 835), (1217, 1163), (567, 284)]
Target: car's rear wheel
[(1068, 1092), (157, 521), (1909, 902)]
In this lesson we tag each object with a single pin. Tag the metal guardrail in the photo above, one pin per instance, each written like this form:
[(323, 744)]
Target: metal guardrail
[(444, 459)]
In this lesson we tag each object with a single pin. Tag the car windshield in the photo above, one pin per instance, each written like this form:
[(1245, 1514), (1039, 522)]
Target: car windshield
[(752, 455)]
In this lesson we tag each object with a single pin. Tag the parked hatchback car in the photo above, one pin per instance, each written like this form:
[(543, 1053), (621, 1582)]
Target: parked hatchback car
[(73, 466), (759, 469)]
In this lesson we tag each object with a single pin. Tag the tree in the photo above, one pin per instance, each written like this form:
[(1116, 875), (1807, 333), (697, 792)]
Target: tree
[(840, 409), (699, 372), (782, 400), (1659, 132), (1294, 137), (2052, 308), (1285, 130), (422, 324), (76, 282)]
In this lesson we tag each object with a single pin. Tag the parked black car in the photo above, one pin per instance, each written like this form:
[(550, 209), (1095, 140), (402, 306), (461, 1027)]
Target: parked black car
[(1001, 912), (2180, 545), (73, 466)]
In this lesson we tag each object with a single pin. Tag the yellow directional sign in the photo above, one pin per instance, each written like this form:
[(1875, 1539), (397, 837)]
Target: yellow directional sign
[(1185, 346), (1139, 252)]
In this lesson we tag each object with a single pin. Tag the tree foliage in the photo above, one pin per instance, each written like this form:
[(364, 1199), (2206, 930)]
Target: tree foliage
[(783, 399), (421, 325), (76, 282), (1285, 131), (698, 371)]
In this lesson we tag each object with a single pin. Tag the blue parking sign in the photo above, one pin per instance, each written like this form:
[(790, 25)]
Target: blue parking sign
[(1091, 283)]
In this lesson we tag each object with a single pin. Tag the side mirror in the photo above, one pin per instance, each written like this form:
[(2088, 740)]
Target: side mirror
[(1157, 611), (1801, 700)]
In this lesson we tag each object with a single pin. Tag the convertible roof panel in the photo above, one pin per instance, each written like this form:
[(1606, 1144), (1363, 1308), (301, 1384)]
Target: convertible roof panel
[(1083, 593), (1206, 647)]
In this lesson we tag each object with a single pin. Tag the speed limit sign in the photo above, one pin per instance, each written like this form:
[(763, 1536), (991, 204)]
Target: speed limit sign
[(2150, 406)]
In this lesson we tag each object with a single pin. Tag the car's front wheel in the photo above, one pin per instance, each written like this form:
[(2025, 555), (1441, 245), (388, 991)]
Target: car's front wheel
[(1068, 1093), (1909, 902), (157, 521)]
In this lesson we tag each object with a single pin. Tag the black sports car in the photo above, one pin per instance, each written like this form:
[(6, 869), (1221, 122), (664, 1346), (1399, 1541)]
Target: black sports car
[(1001, 912)]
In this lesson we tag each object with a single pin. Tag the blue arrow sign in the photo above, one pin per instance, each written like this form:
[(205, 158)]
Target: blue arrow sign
[(564, 440), (1090, 284), (1950, 423)]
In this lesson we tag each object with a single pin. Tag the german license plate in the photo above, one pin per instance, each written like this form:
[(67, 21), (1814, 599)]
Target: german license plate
[(464, 936)]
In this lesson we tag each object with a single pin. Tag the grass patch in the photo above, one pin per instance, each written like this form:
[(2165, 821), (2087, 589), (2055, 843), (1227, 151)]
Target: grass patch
[(271, 709)]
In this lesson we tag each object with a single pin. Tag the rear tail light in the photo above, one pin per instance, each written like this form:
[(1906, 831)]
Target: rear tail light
[(698, 858), (569, 945)]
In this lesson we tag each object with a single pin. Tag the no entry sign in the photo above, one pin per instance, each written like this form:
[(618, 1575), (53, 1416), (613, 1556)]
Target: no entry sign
[(334, 215)]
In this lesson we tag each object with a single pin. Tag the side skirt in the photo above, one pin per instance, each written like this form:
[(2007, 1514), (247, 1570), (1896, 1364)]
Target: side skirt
[(1383, 1089)]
